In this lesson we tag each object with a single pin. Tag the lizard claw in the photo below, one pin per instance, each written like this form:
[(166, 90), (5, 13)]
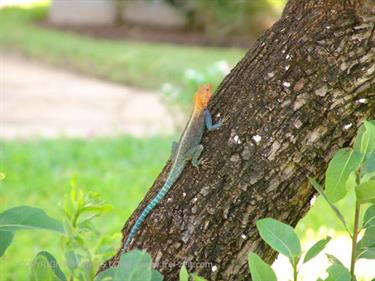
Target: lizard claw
[(224, 120), (205, 163)]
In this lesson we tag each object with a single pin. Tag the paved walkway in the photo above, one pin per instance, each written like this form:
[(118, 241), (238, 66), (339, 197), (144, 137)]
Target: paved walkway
[(38, 100)]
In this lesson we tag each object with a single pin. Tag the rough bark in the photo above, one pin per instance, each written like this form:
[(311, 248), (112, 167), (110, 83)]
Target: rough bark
[(289, 101)]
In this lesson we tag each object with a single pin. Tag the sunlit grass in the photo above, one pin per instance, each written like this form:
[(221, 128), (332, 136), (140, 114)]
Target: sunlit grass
[(38, 173)]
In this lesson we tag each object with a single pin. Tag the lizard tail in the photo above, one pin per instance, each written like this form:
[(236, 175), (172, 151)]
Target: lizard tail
[(163, 191)]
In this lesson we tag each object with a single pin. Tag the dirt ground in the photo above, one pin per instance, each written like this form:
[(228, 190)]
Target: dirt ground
[(38, 100)]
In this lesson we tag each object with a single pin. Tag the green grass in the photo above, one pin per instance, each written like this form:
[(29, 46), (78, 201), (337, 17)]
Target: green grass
[(145, 65), (121, 169), (38, 173)]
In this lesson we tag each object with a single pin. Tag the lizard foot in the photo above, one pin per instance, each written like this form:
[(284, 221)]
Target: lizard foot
[(205, 164)]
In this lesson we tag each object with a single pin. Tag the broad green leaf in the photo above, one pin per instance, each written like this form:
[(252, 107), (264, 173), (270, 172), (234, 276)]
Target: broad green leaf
[(71, 259), (134, 266), (25, 217), (338, 272), (316, 249), (343, 163), (368, 168), (368, 253), (365, 140), (365, 192), (6, 238), (260, 271), (2, 176), (369, 217), (337, 212), (106, 275), (332, 259), (184, 274), (156, 276), (45, 268), (281, 237), (367, 242), (198, 278)]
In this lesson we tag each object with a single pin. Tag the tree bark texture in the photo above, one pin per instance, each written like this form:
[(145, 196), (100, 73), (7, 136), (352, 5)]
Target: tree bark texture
[(297, 96)]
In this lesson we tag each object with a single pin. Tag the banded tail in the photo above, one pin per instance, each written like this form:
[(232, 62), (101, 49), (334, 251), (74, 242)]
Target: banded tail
[(163, 191)]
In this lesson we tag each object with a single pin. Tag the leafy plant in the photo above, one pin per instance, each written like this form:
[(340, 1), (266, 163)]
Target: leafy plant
[(184, 275), (133, 266), (24, 218), (355, 170), (349, 168), (45, 268), (80, 210), (282, 238)]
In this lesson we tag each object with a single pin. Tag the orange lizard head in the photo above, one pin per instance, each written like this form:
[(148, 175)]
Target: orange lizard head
[(203, 96)]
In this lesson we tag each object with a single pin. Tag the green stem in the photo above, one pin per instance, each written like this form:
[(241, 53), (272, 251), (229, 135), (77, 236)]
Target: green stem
[(354, 240), (295, 272)]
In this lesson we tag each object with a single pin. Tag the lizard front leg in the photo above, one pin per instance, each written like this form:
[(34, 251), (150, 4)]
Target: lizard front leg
[(208, 121)]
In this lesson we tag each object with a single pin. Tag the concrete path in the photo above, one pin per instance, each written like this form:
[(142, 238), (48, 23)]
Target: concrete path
[(38, 100)]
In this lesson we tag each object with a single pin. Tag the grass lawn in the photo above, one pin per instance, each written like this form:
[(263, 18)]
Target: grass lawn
[(121, 169), (145, 65)]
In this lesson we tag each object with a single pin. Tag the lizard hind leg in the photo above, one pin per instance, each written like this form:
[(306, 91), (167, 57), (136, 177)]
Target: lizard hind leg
[(194, 153)]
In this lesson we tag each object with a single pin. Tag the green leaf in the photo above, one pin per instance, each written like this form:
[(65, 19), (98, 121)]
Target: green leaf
[(369, 217), (260, 271), (365, 192), (71, 259), (316, 249), (106, 275), (134, 266), (332, 259), (45, 268), (156, 276), (367, 242), (343, 163), (365, 140), (368, 253), (368, 168), (25, 217), (184, 274), (337, 272), (281, 237), (337, 212), (2, 176), (198, 278), (6, 238)]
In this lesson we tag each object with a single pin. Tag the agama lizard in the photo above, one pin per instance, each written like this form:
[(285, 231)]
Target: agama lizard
[(187, 149)]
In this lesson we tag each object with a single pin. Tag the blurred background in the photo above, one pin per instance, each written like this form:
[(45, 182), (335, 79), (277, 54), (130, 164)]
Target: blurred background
[(98, 89)]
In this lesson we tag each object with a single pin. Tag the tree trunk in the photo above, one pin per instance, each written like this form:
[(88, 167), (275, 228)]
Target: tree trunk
[(297, 96)]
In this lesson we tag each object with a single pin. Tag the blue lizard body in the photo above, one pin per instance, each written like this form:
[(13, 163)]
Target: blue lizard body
[(188, 149)]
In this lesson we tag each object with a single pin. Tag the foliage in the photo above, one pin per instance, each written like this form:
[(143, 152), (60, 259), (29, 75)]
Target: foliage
[(83, 245), (78, 231), (45, 268), (224, 18), (133, 266), (145, 65), (24, 218), (349, 168), (38, 172)]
